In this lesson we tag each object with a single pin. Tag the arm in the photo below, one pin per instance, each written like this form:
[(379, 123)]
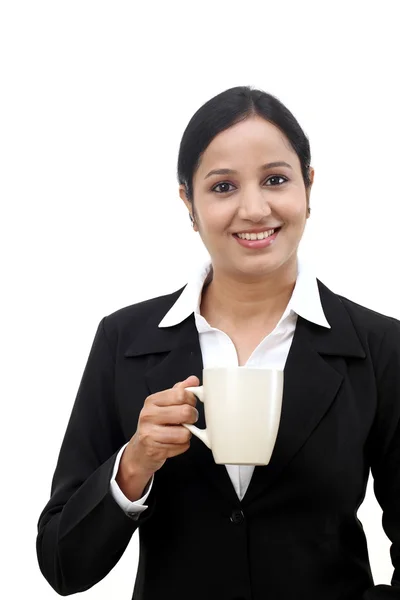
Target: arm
[(385, 453), (82, 531)]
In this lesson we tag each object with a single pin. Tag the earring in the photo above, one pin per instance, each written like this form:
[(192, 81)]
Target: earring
[(191, 219)]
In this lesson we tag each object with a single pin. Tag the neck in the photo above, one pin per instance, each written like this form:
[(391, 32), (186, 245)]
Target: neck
[(240, 300)]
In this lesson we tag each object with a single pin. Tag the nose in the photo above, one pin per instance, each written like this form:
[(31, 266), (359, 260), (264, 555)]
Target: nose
[(253, 207)]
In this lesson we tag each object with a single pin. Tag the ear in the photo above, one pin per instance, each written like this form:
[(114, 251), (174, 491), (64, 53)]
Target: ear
[(308, 192), (182, 194), (311, 172), (188, 204)]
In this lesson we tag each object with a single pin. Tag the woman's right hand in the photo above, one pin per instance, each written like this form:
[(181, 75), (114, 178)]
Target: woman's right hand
[(159, 435)]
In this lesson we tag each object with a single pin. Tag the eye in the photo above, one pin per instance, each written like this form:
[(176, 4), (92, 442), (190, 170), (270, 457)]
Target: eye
[(223, 183), (270, 178), (277, 177)]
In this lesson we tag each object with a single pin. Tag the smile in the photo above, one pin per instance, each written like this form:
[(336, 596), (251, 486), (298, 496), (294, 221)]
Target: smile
[(257, 236), (257, 240)]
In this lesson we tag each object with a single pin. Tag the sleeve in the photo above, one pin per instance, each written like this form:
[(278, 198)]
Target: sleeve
[(82, 531), (132, 509), (385, 454)]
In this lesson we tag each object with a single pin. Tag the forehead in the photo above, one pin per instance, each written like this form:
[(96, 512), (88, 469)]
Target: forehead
[(254, 139)]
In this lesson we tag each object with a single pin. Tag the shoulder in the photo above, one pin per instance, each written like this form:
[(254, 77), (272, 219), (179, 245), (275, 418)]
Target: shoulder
[(152, 307), (376, 329), (366, 317), (126, 321)]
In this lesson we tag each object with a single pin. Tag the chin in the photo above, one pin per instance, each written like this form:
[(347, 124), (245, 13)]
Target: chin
[(257, 267), (262, 265)]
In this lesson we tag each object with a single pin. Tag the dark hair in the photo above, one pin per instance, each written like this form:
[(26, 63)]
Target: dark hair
[(226, 109)]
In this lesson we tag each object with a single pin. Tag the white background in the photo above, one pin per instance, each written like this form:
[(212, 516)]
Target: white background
[(94, 99)]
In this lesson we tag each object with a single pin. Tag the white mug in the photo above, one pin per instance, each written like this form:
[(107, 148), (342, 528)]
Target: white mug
[(242, 408)]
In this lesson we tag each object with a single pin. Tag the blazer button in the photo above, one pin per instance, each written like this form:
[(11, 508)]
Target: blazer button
[(237, 517)]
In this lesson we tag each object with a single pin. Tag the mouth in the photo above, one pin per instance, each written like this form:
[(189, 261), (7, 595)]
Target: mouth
[(256, 241), (257, 236)]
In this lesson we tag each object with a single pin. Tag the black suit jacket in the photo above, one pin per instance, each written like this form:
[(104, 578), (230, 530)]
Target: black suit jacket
[(295, 534)]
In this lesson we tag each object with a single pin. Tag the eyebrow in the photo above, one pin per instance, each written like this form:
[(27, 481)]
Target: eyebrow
[(278, 163)]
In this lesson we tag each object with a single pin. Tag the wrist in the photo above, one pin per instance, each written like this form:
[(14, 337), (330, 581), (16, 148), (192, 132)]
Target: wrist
[(132, 467), (132, 478)]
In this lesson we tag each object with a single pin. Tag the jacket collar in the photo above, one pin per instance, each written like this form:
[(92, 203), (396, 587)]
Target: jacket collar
[(339, 339)]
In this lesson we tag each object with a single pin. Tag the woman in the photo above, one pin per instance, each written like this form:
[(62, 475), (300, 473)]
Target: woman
[(286, 530)]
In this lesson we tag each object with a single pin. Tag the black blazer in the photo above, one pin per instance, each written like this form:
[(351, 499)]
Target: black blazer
[(295, 534)]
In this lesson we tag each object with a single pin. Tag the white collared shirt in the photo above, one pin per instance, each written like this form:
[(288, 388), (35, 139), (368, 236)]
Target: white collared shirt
[(218, 350)]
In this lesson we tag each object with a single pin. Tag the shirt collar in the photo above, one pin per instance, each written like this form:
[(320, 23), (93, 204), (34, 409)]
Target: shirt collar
[(305, 300)]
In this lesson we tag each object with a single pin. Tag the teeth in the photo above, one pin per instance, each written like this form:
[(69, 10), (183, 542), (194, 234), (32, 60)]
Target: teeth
[(256, 236)]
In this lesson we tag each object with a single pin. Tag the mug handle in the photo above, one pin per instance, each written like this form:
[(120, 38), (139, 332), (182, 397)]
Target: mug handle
[(202, 434)]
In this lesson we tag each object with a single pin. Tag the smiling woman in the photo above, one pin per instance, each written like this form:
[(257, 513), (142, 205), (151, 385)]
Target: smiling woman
[(287, 529)]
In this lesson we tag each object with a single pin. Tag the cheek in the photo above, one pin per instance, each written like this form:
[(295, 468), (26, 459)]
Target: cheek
[(214, 217), (292, 209)]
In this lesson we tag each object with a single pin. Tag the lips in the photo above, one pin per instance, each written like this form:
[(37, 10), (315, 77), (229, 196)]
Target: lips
[(274, 229), (258, 244)]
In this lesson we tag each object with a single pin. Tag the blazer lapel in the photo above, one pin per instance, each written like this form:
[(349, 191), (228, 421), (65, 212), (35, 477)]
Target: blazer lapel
[(312, 379)]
